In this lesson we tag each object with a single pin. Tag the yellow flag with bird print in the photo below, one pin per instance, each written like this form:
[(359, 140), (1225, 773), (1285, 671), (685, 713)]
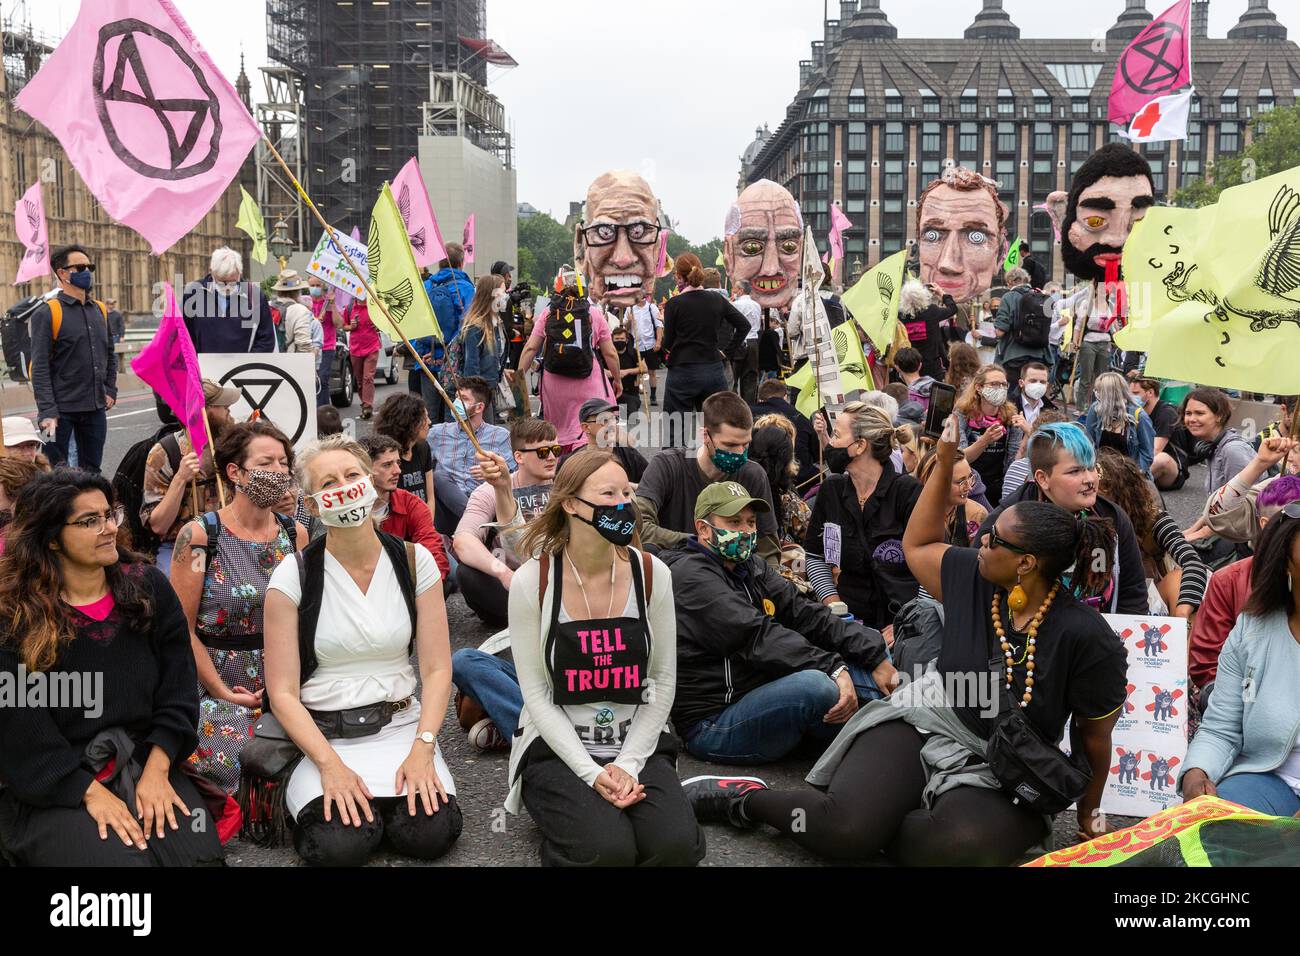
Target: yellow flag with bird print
[(873, 300), (394, 275)]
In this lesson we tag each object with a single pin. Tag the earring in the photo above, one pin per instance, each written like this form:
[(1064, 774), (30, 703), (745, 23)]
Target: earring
[(1288, 582), (1017, 600)]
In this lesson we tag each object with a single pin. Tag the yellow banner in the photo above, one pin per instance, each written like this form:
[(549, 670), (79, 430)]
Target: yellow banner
[(393, 273), (250, 221), (854, 374), (873, 300)]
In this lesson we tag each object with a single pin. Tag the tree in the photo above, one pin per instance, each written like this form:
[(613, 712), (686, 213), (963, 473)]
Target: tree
[(1274, 148), (544, 246)]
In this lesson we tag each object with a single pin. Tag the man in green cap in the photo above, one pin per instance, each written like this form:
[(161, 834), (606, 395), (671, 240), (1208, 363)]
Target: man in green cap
[(759, 666)]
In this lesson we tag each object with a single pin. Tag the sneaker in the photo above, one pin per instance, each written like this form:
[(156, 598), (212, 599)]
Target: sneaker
[(485, 737), (719, 799), (366, 413)]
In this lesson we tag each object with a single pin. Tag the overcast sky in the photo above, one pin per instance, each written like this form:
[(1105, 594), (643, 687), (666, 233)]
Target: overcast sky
[(671, 88)]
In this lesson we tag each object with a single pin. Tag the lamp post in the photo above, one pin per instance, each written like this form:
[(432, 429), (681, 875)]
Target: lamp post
[(280, 243), (857, 269)]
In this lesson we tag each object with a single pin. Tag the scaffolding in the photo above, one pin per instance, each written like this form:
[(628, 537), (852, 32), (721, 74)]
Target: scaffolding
[(458, 106), (283, 118)]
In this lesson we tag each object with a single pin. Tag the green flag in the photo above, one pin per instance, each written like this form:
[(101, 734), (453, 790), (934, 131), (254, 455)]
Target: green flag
[(720, 261), (1012, 261), (250, 221), (393, 273), (854, 374), (873, 300)]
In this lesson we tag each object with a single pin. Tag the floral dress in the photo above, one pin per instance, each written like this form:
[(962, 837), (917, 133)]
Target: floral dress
[(229, 625)]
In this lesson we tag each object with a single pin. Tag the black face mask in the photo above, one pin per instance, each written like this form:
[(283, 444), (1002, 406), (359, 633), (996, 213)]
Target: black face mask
[(837, 459), (614, 523)]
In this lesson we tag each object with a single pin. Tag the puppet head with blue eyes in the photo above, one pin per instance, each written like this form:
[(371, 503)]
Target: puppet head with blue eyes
[(1111, 191), (961, 229)]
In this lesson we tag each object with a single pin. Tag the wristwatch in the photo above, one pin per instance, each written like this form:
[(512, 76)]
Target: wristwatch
[(427, 737), (835, 674)]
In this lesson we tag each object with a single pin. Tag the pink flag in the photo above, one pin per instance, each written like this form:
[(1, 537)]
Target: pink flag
[(839, 222), (468, 238), (341, 299), (157, 132), (417, 213), (661, 268), (29, 221), (169, 366), (1056, 230), (1157, 62)]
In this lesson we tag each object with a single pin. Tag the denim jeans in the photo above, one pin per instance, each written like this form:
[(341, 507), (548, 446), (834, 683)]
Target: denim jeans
[(770, 721), (91, 429), (492, 682), (685, 390), (324, 372), (1265, 792), (451, 502)]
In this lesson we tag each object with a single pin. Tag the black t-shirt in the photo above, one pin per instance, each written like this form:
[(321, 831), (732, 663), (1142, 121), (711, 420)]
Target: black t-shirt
[(633, 461), (1165, 418), (412, 477), (992, 465), (674, 480), (1080, 664)]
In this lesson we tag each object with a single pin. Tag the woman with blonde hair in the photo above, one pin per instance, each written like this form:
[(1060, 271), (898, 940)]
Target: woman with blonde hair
[(964, 516), (482, 340), (989, 428), (341, 624), (854, 540), (1117, 420), (594, 635)]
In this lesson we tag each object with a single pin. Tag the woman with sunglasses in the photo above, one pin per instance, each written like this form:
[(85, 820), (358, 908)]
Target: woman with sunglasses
[(76, 607), (910, 777), (594, 636), (1246, 749)]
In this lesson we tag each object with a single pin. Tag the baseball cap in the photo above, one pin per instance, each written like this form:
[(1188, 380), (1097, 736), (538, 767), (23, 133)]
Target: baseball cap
[(727, 498), (219, 396), (501, 267), (593, 407), (20, 431)]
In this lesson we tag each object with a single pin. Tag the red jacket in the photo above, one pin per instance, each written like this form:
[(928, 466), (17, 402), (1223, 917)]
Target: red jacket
[(410, 519), (1225, 597)]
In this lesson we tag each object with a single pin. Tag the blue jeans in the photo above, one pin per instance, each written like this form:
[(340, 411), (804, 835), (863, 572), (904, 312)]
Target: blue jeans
[(451, 502), (324, 372), (91, 429), (493, 683), (1265, 792), (164, 559), (770, 721)]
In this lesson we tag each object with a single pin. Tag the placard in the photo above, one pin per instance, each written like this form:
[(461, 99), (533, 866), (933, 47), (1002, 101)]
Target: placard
[(1251, 418), (279, 386), (327, 262)]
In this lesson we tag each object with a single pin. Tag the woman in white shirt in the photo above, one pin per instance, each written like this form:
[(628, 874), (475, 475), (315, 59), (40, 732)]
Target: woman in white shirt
[(595, 647), (338, 640)]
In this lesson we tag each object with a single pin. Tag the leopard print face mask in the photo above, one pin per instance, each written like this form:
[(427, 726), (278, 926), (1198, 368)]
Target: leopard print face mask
[(264, 488)]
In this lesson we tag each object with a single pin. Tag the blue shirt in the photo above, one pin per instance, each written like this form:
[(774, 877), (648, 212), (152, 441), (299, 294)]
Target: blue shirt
[(454, 454)]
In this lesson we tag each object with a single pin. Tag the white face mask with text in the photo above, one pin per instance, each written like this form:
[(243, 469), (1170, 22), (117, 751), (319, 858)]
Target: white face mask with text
[(346, 506)]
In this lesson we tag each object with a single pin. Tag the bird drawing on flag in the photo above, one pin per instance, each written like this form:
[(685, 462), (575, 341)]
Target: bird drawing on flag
[(404, 207), (36, 249), (840, 334), (398, 298), (885, 285)]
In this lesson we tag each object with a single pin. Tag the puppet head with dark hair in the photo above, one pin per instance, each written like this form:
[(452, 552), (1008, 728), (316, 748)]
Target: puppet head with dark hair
[(1111, 191)]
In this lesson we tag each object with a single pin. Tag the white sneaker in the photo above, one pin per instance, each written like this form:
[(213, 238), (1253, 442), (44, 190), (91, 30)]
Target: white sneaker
[(485, 737)]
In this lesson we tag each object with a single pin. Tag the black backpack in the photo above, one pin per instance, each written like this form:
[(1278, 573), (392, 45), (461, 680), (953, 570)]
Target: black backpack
[(568, 348), (128, 484), (1032, 327)]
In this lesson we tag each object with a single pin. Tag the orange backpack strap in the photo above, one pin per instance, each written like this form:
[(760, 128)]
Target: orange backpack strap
[(56, 315)]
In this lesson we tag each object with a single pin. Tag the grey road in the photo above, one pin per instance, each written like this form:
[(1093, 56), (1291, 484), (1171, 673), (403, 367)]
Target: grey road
[(493, 838)]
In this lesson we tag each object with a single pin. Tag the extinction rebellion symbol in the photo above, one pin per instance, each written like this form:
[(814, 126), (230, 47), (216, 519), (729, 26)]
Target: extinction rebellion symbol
[(130, 83), (1144, 65), (259, 383)]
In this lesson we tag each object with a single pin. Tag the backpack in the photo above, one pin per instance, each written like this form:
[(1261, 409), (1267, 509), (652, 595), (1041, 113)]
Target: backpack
[(449, 305), (835, 313), (568, 348), (1032, 326), (56, 316), (211, 522), (128, 483)]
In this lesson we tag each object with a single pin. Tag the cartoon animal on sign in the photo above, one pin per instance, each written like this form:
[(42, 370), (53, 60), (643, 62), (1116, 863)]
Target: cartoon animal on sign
[(961, 227), (1127, 768), (1162, 707), (1160, 776), (763, 243), (616, 243)]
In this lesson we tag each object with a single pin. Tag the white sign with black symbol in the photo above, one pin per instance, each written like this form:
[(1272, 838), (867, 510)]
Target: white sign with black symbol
[(279, 388)]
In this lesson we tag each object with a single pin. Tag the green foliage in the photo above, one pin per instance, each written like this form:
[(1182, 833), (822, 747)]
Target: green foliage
[(1274, 148)]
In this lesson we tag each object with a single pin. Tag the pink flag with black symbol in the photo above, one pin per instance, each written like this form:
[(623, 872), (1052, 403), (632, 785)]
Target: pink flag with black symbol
[(467, 239), (153, 127), (417, 213), (29, 221), (170, 367), (1158, 62)]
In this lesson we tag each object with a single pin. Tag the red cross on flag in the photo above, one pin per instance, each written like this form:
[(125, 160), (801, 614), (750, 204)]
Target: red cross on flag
[(1164, 118)]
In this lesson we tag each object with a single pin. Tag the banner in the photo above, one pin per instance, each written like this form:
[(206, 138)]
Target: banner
[(328, 263), (170, 367), (467, 238), (873, 300), (417, 214), (1164, 118), (1222, 286), (394, 275), (839, 222), (155, 130), (1012, 261), (1156, 63), (816, 330), (29, 221), (251, 222), (852, 364), (278, 387)]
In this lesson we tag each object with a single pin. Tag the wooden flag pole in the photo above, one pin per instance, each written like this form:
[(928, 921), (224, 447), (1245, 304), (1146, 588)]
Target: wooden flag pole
[(221, 488), (195, 504), (372, 296)]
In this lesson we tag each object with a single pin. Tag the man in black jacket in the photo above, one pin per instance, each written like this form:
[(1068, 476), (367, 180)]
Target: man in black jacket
[(759, 666), (1063, 463), (774, 399), (224, 314)]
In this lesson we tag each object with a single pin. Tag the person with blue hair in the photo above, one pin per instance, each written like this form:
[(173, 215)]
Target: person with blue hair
[(1063, 468)]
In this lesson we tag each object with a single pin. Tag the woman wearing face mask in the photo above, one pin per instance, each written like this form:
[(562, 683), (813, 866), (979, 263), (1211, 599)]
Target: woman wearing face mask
[(220, 570), (1117, 420), (482, 339), (594, 634), (854, 540), (989, 427), (341, 626)]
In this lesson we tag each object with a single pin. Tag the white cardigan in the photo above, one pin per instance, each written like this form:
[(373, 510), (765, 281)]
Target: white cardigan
[(529, 627)]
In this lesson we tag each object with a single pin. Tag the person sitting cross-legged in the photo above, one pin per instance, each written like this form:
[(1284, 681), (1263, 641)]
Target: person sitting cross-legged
[(760, 667)]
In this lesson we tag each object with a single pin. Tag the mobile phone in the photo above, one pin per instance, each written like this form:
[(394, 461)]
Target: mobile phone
[(942, 398)]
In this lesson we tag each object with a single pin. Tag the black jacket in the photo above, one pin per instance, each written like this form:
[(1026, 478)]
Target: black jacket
[(805, 436), (240, 324), (933, 348), (691, 328), (78, 370), (1132, 596), (729, 643)]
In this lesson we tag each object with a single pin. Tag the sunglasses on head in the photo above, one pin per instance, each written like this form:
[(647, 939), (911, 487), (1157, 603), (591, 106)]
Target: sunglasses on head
[(995, 540), (543, 451), (1291, 509)]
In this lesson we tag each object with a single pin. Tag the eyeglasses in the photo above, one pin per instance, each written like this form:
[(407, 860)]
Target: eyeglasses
[(963, 482), (640, 233), (544, 451), (1292, 509), (995, 540), (82, 267), (96, 522)]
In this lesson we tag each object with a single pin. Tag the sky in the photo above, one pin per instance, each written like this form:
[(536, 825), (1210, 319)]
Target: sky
[(671, 88)]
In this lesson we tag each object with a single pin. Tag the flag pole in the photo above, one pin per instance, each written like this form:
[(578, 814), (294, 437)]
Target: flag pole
[(221, 488), (372, 296)]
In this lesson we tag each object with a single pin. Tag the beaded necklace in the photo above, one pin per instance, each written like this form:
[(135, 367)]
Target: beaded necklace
[(1032, 638)]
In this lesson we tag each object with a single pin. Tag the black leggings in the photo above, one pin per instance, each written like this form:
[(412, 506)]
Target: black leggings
[(423, 836), (874, 803)]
